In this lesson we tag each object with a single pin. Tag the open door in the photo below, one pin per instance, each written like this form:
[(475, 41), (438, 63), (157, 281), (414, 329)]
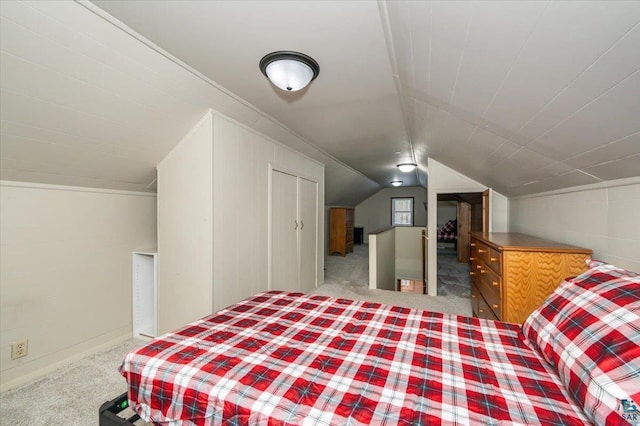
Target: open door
[(464, 227)]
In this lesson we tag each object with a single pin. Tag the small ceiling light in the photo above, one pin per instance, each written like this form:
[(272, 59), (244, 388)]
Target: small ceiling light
[(396, 182), (289, 70), (407, 167)]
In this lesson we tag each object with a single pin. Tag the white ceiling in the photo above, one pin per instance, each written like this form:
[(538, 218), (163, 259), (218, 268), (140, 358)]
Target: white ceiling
[(521, 96)]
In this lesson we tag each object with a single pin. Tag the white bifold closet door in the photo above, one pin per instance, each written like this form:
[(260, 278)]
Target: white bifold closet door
[(294, 227), (308, 233), (284, 235)]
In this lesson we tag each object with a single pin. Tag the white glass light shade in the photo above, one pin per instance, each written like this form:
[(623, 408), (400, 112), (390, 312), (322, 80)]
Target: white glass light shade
[(396, 182), (407, 167), (289, 75), (289, 70)]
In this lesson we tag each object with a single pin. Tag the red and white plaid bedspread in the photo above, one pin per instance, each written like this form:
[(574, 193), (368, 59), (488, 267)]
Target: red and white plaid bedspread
[(448, 232), (293, 359)]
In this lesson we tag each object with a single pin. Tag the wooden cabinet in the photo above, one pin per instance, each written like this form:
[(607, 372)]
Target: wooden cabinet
[(341, 234), (512, 274)]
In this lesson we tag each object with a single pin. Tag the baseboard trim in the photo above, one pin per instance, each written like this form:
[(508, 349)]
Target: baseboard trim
[(40, 372)]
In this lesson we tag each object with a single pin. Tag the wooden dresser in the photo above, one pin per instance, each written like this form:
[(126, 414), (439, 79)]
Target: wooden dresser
[(512, 274), (341, 234)]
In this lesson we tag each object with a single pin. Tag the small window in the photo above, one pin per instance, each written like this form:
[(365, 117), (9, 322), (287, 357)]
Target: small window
[(402, 211)]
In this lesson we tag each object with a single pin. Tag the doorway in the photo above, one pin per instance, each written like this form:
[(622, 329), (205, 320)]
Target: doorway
[(458, 215)]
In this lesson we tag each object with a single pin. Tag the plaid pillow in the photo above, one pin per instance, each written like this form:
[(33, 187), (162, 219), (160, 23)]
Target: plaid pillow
[(589, 330), (592, 263)]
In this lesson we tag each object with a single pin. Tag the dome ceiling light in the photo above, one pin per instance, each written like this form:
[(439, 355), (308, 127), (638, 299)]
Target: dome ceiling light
[(396, 182), (407, 167), (289, 70)]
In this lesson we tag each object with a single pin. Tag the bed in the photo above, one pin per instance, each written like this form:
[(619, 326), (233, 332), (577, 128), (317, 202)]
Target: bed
[(293, 359), (448, 232)]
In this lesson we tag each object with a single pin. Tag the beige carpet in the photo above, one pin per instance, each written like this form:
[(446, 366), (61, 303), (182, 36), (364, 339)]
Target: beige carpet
[(445, 304), (70, 396), (348, 277), (352, 269)]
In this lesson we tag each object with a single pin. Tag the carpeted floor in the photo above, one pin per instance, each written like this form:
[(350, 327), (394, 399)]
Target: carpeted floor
[(453, 277), (71, 396), (348, 277), (445, 304), (353, 269)]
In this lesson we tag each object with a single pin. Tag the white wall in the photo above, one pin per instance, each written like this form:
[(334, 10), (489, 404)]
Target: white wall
[(409, 252), (243, 159), (443, 179), (447, 210), (214, 228), (382, 260), (185, 191), (65, 272), (375, 212), (499, 212), (602, 217)]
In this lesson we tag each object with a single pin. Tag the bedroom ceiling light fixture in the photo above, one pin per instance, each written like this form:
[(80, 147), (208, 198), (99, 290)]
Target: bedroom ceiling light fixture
[(407, 167), (396, 182), (289, 70)]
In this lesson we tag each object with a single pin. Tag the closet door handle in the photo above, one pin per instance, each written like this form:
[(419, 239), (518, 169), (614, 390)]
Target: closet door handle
[(301, 225), (296, 222)]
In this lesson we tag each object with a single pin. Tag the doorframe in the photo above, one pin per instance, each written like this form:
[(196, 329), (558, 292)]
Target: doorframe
[(486, 210), (464, 226), (432, 240)]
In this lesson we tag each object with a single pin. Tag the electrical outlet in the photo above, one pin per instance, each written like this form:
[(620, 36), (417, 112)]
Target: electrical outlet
[(19, 349)]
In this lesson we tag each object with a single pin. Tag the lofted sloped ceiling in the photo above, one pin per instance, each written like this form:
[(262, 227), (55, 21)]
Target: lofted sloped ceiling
[(521, 96)]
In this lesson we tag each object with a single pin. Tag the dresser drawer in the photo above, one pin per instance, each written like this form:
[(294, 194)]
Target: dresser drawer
[(484, 311), (474, 249), (483, 251), (476, 266), (493, 299), (491, 279), (491, 288), (495, 261)]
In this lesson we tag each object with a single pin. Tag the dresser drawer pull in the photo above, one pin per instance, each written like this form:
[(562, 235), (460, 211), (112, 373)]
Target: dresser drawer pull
[(472, 273), (483, 271), (479, 266), (473, 244), (473, 296), (472, 259), (495, 283), (481, 251), (481, 311), (495, 306), (494, 259)]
